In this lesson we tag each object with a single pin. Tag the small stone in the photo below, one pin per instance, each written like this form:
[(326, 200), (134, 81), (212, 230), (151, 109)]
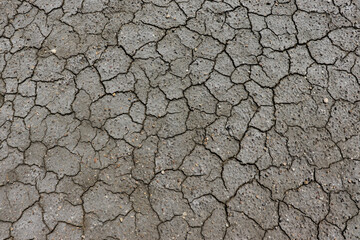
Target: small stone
[(53, 50), (162, 172), (326, 100)]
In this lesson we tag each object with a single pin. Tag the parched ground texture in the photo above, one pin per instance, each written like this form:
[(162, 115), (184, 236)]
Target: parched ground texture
[(179, 119)]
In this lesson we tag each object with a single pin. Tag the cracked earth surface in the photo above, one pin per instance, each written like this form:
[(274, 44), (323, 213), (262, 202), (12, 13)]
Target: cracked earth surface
[(179, 119)]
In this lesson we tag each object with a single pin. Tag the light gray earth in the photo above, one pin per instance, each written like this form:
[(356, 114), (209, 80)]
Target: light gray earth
[(180, 119)]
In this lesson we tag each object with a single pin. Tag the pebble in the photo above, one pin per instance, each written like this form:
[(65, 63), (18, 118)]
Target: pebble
[(326, 100)]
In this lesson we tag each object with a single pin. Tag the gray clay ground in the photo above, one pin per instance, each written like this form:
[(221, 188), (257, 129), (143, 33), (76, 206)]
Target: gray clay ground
[(179, 119)]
